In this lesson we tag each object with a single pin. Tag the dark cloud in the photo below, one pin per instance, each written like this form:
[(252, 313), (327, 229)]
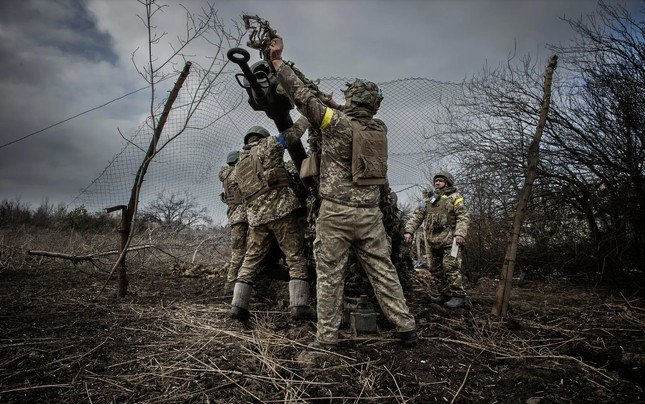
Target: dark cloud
[(61, 57), (64, 25)]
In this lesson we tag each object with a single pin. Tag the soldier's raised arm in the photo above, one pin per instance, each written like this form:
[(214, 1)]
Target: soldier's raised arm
[(306, 101)]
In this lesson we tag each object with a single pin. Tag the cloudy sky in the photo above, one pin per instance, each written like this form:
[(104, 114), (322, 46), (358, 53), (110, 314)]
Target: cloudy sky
[(62, 57)]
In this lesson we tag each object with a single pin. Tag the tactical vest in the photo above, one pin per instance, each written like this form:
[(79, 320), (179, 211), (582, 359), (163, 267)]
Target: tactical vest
[(440, 214), (253, 179), (231, 194), (369, 153)]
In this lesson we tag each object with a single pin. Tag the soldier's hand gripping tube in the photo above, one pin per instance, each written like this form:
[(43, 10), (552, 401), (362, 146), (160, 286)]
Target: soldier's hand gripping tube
[(261, 85)]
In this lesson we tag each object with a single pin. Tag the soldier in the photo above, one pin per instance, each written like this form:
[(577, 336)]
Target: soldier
[(270, 208), (353, 165), (236, 214), (445, 217)]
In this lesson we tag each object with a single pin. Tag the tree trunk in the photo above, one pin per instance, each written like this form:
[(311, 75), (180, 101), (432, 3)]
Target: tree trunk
[(500, 308)]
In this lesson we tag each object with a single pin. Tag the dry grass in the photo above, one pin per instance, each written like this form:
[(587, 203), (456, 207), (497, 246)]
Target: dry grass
[(171, 341)]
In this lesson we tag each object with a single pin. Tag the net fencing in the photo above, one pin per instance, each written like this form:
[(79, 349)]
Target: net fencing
[(189, 164)]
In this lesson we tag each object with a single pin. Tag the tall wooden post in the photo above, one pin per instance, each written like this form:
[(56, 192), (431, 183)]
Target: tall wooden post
[(124, 231), (500, 308), (129, 212)]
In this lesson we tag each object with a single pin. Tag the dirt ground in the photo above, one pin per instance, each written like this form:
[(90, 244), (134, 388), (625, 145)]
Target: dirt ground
[(171, 340)]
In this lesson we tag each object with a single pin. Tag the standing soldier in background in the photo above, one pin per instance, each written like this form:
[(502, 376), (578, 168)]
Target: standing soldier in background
[(353, 165), (271, 206), (445, 217)]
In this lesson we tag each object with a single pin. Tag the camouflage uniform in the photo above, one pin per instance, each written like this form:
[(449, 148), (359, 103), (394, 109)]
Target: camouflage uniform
[(349, 217), (236, 214), (444, 215), (273, 213)]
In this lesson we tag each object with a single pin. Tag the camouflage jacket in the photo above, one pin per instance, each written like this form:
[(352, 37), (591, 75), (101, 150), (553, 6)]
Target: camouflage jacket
[(235, 213), (336, 155), (444, 214), (276, 203)]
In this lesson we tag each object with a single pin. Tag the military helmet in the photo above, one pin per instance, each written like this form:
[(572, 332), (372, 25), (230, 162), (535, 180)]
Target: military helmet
[(255, 130), (232, 157), (450, 180), (364, 93)]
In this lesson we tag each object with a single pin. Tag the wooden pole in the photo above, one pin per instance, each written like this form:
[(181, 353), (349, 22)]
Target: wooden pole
[(129, 213), (500, 308)]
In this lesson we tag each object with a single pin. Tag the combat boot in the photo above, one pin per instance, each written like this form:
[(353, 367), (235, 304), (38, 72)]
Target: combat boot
[(456, 302), (324, 346), (240, 303), (440, 298), (409, 338), (298, 297)]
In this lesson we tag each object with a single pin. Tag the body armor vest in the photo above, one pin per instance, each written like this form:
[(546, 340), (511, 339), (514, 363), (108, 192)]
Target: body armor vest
[(231, 194), (369, 153), (253, 179)]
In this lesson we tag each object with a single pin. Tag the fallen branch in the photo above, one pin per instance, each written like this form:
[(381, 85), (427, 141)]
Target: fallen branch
[(88, 257)]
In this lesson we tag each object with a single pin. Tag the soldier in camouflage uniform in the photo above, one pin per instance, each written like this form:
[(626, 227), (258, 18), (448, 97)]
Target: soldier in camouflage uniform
[(353, 164), (270, 207), (236, 214), (445, 216)]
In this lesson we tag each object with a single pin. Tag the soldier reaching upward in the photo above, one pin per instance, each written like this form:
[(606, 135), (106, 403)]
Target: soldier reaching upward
[(445, 217), (270, 208), (353, 165)]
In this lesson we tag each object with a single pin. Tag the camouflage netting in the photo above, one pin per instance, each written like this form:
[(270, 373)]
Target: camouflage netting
[(190, 163)]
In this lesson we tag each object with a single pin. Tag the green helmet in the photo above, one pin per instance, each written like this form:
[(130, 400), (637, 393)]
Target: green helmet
[(450, 180), (232, 157), (363, 93), (255, 130)]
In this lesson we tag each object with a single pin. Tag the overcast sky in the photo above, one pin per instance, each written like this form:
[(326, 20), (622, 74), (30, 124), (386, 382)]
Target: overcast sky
[(62, 57)]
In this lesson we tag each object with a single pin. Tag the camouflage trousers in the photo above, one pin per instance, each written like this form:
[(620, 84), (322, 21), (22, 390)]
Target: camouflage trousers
[(446, 271), (339, 229), (238, 250), (291, 240)]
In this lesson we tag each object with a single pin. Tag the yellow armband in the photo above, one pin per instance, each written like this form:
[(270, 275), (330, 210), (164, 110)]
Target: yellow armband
[(327, 118)]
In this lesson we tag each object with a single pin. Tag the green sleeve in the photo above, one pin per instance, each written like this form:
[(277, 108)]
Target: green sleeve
[(307, 103), (415, 220)]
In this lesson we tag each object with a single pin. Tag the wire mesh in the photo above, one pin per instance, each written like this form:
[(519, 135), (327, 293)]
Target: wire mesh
[(412, 108)]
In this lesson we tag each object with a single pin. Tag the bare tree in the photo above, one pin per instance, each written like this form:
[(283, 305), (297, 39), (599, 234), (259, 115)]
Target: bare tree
[(599, 134), (206, 27), (175, 212), (587, 208)]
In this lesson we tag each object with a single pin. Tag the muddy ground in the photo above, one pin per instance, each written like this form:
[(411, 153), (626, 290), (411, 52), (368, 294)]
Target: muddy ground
[(171, 340)]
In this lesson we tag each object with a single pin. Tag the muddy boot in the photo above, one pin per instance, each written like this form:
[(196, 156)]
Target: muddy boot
[(440, 298), (240, 303), (324, 346), (298, 296), (456, 302), (409, 338)]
